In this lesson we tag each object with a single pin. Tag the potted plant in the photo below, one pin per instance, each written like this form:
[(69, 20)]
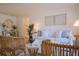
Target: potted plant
[(30, 32)]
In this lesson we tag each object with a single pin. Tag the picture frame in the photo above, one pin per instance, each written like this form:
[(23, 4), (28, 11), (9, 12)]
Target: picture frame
[(55, 20), (60, 19)]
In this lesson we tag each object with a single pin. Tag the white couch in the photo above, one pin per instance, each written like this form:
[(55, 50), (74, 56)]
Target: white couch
[(55, 39)]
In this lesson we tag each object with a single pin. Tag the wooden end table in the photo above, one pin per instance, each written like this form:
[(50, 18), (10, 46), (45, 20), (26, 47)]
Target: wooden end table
[(32, 50), (77, 37)]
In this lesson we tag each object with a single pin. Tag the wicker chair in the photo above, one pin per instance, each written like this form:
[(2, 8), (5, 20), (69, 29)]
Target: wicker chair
[(10, 45), (46, 48), (53, 49), (65, 50)]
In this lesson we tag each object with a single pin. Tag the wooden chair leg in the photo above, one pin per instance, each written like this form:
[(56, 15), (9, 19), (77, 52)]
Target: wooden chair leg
[(25, 51), (13, 53), (2, 52)]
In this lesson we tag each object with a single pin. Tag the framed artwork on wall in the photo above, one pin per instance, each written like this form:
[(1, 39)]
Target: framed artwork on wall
[(55, 20), (60, 19), (8, 23), (49, 20)]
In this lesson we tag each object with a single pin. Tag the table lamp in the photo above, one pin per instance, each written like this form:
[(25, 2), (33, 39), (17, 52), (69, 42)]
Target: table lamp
[(76, 23)]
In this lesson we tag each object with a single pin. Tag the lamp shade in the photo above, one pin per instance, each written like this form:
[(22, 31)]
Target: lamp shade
[(76, 23)]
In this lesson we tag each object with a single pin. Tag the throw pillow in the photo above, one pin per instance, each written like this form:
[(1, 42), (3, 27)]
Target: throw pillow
[(65, 34)]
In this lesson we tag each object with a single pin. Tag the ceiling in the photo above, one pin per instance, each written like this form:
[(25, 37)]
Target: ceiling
[(26, 9)]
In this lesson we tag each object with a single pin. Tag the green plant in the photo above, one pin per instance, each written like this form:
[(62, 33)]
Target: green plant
[(30, 31)]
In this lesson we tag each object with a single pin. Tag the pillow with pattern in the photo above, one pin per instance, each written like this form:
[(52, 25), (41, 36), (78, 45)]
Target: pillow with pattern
[(65, 34)]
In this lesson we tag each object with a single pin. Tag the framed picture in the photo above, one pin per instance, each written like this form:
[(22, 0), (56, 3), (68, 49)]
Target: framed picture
[(49, 20), (55, 20), (60, 19)]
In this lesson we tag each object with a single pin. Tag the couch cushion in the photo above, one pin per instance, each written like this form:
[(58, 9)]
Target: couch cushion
[(65, 34)]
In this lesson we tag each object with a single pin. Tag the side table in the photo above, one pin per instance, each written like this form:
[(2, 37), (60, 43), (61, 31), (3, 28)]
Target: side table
[(32, 50), (77, 37)]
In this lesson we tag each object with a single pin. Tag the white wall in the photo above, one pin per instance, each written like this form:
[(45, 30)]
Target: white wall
[(71, 11), (23, 23)]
